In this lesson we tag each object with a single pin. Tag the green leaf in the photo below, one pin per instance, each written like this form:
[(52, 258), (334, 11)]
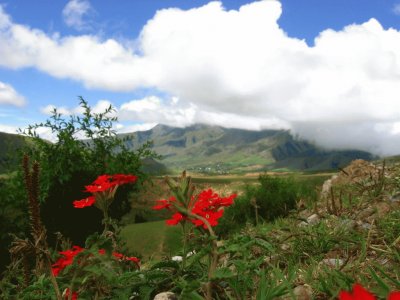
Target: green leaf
[(166, 264), (380, 282), (264, 244), (223, 273)]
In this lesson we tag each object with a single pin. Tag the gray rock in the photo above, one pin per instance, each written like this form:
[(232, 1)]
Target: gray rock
[(333, 262), (301, 292), (311, 220), (166, 296)]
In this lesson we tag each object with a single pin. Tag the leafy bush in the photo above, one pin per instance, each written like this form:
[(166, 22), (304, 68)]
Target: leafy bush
[(274, 197), (13, 214), (65, 167), (69, 163)]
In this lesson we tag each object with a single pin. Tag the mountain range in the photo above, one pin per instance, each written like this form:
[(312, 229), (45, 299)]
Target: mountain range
[(214, 149)]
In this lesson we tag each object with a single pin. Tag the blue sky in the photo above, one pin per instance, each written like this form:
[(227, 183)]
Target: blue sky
[(327, 70)]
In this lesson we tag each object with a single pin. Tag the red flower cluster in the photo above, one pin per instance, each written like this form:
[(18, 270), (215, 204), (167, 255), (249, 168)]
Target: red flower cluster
[(69, 255), (89, 201), (207, 205), (360, 293), (164, 203), (66, 260), (103, 183), (121, 257)]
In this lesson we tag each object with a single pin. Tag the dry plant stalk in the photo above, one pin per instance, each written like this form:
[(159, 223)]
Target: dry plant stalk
[(38, 247)]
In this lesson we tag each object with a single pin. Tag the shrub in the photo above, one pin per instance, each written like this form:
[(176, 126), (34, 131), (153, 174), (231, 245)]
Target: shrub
[(69, 163), (274, 197)]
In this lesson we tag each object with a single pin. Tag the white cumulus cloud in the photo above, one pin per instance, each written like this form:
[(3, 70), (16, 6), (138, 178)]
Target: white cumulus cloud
[(134, 127), (99, 107), (236, 68), (8, 95), (8, 128), (153, 109), (74, 12)]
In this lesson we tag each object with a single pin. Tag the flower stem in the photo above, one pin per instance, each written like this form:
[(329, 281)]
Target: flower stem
[(213, 255), (53, 278), (185, 244), (106, 221)]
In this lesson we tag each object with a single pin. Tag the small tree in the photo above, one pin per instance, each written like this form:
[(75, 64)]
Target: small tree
[(69, 163)]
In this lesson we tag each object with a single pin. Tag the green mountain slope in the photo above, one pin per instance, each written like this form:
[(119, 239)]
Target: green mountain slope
[(215, 149), (9, 145)]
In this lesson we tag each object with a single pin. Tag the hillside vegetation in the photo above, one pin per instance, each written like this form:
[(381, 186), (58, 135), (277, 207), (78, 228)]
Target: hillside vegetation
[(9, 145), (345, 231), (291, 236), (218, 150), (215, 150)]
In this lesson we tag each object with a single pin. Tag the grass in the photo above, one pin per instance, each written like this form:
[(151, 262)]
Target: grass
[(152, 239), (155, 239), (343, 246), (328, 256)]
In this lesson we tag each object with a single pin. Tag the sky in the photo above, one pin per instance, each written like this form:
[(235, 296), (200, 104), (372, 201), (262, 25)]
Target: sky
[(327, 70)]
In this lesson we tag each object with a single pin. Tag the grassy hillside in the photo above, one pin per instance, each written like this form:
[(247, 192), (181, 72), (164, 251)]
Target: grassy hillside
[(218, 150), (9, 145), (155, 239), (152, 239), (319, 249)]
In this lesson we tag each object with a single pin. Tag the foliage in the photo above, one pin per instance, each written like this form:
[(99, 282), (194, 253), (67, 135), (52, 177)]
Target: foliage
[(66, 166), (69, 163), (335, 256), (13, 214), (274, 197)]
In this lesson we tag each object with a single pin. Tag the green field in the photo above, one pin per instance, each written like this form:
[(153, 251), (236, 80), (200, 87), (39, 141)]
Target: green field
[(156, 239), (152, 239)]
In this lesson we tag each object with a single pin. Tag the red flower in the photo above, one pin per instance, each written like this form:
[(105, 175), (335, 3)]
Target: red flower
[(74, 295), (359, 293), (120, 179), (104, 184), (89, 201), (164, 203), (96, 188), (394, 296), (102, 179), (120, 256), (211, 216), (176, 218), (65, 261), (134, 259), (207, 205)]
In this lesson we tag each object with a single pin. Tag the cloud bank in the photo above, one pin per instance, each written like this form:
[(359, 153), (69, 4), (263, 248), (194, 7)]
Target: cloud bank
[(236, 68)]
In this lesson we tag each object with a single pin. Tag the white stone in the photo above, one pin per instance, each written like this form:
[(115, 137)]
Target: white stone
[(333, 262), (177, 258), (165, 296), (313, 219)]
